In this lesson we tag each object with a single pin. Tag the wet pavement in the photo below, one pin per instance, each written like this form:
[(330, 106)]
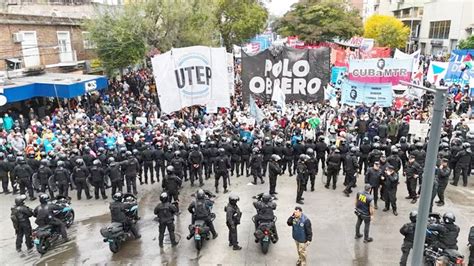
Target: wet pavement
[(331, 214)]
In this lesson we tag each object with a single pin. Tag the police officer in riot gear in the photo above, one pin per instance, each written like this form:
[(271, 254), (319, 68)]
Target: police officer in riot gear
[(312, 166), (265, 207), (256, 161), (43, 175), (171, 184), (221, 169), (274, 170), (165, 212), (159, 156), (131, 168), (97, 179), (195, 160), (117, 212), (235, 158), (351, 166), (390, 179), (199, 208), (301, 177), (114, 173), (233, 215), (288, 158), (463, 161), (408, 231), (334, 162), (61, 176), (148, 158), (4, 169), (20, 215), (80, 173), (448, 231), (22, 174), (44, 214), (442, 175)]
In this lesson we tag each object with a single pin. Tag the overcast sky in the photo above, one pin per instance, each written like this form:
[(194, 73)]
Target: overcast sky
[(279, 7)]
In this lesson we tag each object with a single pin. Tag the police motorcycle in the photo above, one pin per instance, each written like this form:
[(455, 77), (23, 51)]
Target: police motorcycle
[(199, 229), (433, 253), (117, 233), (264, 234), (44, 237)]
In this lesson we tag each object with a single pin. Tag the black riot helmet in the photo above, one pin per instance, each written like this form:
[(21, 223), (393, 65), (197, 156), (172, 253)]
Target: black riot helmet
[(449, 218), (170, 169), (164, 197), (266, 197), (233, 199), (117, 197), (413, 215), (20, 200), (200, 194), (43, 198)]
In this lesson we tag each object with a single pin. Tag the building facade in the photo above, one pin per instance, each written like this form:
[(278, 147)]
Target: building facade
[(42, 41), (444, 24), (436, 25)]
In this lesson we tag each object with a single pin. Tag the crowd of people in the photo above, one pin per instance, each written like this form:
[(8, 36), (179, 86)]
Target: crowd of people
[(118, 137)]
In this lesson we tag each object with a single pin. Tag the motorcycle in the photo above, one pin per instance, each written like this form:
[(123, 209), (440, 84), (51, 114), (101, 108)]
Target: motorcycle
[(66, 215), (199, 229), (264, 234), (46, 236), (117, 233), (432, 252)]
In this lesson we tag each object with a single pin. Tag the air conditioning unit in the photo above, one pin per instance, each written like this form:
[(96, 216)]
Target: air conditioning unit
[(17, 37)]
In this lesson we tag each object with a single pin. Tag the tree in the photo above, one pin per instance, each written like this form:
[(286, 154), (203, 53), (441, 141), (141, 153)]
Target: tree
[(180, 23), (320, 20), (119, 38), (387, 31), (467, 43), (239, 20)]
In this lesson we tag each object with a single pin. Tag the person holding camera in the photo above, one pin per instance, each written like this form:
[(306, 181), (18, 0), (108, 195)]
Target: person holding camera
[(364, 209)]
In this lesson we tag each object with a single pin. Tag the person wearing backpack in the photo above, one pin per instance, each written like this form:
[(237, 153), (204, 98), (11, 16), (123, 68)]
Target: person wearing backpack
[(200, 210), (20, 216)]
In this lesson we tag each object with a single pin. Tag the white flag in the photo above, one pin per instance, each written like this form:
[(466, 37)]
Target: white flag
[(279, 97)]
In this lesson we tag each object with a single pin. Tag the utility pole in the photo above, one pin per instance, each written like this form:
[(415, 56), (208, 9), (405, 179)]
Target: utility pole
[(429, 171)]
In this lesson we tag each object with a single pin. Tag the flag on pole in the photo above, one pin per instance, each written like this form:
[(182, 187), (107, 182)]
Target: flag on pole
[(255, 111), (279, 97)]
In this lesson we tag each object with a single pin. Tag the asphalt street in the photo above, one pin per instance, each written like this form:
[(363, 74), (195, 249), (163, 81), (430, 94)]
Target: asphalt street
[(331, 214)]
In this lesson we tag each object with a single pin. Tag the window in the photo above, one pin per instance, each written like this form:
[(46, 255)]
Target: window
[(439, 29), (88, 43)]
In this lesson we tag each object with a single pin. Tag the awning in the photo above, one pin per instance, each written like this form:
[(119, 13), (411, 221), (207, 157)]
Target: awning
[(52, 85)]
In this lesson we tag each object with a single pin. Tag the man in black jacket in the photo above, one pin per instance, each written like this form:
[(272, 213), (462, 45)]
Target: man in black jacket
[(165, 212), (113, 171), (442, 175), (148, 156), (20, 214), (171, 184), (408, 231), (390, 179), (22, 174), (334, 163), (97, 179), (463, 164), (233, 215), (273, 171), (80, 173), (372, 177), (159, 157), (351, 168), (412, 171), (195, 160)]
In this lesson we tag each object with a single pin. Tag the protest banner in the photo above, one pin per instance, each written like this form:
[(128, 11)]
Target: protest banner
[(460, 68), (301, 74), (382, 70), (191, 76), (436, 72), (335, 72), (355, 93)]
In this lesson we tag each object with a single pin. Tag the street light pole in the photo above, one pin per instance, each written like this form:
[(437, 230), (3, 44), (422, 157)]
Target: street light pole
[(428, 172)]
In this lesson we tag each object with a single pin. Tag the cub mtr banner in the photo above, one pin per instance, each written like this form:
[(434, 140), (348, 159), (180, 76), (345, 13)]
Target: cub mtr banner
[(301, 74)]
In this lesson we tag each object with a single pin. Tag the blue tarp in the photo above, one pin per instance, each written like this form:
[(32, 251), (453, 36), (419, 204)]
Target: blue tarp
[(43, 89)]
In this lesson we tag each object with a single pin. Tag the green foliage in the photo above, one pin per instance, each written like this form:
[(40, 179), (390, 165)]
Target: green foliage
[(124, 36), (467, 43), (387, 31), (119, 39), (240, 20), (320, 20), (180, 23)]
